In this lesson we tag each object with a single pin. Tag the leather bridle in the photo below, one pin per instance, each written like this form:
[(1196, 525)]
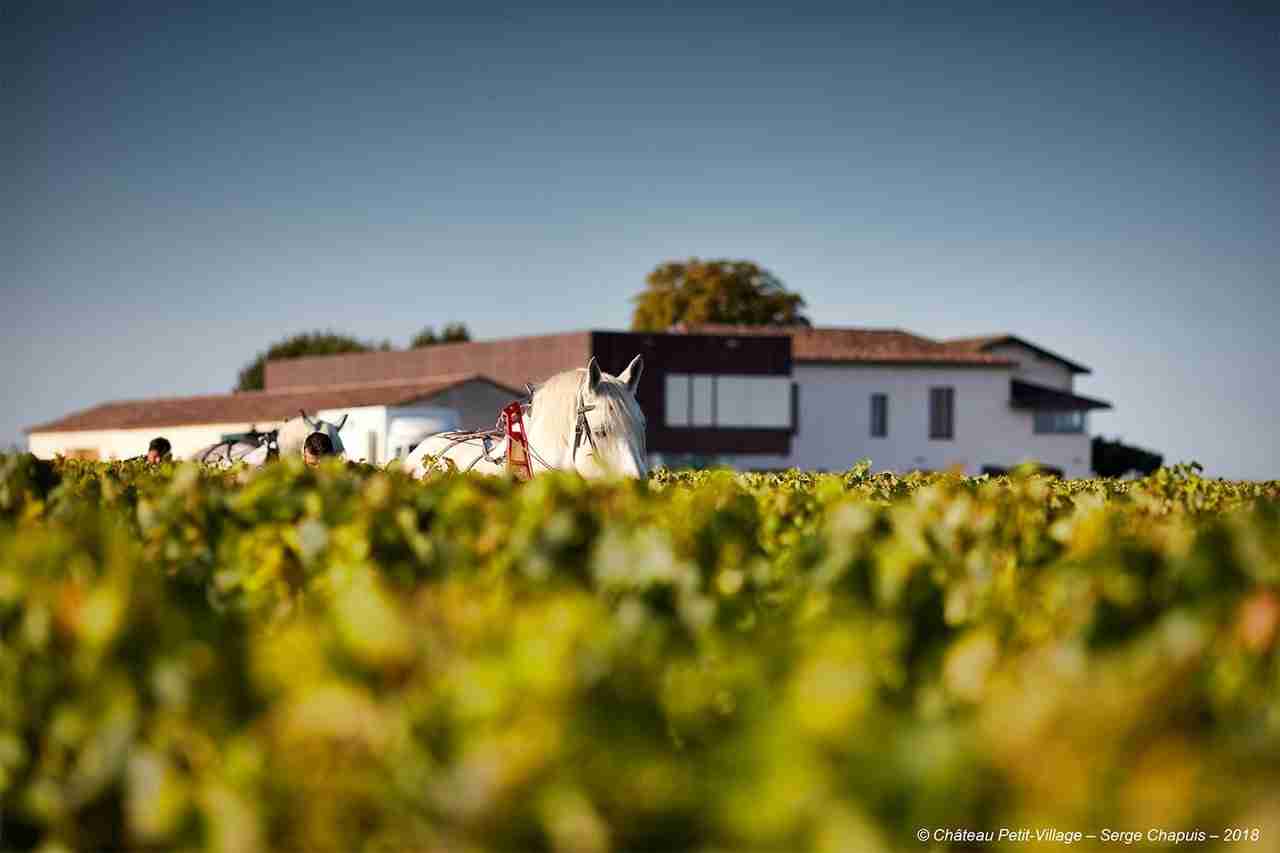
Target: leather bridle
[(581, 430)]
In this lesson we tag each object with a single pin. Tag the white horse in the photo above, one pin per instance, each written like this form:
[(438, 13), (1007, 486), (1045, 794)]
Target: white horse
[(224, 454), (295, 431), (580, 420), (253, 448)]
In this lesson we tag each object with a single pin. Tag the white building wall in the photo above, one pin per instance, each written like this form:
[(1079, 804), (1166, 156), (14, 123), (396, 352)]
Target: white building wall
[(364, 435), (126, 443), (1034, 367), (365, 429), (431, 419), (835, 423)]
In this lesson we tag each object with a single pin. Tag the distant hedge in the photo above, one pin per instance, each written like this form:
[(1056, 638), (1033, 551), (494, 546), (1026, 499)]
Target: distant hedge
[(1113, 459)]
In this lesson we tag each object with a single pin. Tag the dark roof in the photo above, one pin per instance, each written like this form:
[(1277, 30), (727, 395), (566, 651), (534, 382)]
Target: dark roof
[(511, 362), (1028, 395), (868, 346), (253, 406), (984, 343)]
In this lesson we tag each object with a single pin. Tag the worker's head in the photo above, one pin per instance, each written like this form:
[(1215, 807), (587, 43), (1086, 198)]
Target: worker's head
[(316, 447), (158, 450)]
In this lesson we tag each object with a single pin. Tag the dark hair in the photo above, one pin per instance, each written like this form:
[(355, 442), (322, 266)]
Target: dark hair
[(160, 445), (318, 444)]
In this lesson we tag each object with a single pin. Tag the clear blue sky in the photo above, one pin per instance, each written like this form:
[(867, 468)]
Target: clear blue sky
[(184, 186)]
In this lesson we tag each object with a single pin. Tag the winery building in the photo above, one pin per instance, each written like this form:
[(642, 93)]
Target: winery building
[(750, 397)]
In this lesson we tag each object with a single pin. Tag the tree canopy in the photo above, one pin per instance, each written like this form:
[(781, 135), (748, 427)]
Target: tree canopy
[(453, 333), (722, 291), (253, 376)]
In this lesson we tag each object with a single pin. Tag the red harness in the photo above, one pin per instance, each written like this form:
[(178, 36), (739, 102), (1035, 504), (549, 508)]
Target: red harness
[(517, 442)]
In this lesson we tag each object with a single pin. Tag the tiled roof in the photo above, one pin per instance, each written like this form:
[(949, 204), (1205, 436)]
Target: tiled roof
[(983, 343), (252, 406), (875, 346), (512, 362)]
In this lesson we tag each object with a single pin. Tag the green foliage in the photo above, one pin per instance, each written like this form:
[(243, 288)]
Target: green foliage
[(253, 376), (453, 333), (694, 292), (343, 658)]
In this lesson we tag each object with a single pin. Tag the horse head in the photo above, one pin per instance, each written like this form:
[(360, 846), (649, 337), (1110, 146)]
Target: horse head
[(592, 420)]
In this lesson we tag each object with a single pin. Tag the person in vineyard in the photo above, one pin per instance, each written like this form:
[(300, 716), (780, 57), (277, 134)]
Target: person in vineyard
[(158, 450), (317, 446)]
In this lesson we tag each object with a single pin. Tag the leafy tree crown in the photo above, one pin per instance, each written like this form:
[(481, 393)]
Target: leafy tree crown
[(694, 292), (453, 333), (253, 376)]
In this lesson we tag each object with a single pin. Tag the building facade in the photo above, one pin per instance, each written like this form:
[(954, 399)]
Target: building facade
[(379, 416), (749, 397)]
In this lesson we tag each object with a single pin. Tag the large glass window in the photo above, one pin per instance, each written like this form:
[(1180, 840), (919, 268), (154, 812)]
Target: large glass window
[(879, 415), (1056, 422), (762, 402), (703, 399), (677, 404), (942, 413)]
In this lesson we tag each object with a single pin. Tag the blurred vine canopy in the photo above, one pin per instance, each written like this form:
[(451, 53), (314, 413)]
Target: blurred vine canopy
[(342, 658)]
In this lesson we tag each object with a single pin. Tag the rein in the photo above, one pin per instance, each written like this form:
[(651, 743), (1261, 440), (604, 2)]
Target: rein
[(270, 439), (520, 452)]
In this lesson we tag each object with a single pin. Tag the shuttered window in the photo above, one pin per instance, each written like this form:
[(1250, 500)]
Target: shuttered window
[(942, 413), (879, 415)]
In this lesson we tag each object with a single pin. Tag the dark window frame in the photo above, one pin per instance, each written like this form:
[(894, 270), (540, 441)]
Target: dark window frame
[(795, 408)]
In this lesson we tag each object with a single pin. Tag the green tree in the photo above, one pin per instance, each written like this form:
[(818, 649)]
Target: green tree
[(253, 376), (695, 292), (453, 333)]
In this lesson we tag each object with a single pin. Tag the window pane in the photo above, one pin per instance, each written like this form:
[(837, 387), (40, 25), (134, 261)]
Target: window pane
[(1059, 422), (753, 401), (677, 399), (703, 395), (879, 415), (770, 402), (733, 401)]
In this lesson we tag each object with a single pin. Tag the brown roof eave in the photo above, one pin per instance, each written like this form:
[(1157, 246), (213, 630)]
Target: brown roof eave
[(985, 343), (1029, 395), (907, 362), (144, 414)]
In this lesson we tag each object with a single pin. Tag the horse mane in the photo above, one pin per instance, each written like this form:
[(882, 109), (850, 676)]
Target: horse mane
[(555, 403)]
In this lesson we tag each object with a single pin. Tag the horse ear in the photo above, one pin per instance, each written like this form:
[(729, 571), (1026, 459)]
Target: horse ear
[(343, 422), (593, 374), (631, 376)]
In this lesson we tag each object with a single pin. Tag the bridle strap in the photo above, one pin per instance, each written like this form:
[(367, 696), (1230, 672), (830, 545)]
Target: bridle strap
[(511, 425), (583, 427)]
